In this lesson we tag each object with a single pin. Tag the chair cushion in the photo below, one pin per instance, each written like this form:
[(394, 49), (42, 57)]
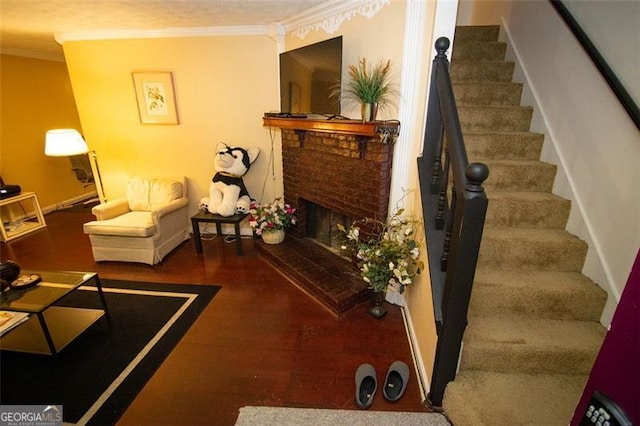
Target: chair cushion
[(132, 224), (144, 194)]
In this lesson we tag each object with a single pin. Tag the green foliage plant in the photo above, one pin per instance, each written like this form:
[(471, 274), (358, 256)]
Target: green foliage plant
[(368, 84)]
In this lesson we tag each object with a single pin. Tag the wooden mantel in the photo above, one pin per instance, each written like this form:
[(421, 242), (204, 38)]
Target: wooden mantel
[(350, 127)]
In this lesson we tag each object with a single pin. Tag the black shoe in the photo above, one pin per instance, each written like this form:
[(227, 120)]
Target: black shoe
[(366, 385), (396, 381)]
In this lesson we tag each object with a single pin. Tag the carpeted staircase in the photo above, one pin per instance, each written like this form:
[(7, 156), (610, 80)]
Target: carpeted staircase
[(534, 330)]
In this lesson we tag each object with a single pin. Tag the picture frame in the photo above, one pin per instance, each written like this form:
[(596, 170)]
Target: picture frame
[(156, 97)]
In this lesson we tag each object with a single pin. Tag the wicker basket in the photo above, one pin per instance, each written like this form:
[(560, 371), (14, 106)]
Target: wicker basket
[(273, 237)]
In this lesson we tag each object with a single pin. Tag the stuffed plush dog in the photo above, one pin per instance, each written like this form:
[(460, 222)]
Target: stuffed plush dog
[(227, 193)]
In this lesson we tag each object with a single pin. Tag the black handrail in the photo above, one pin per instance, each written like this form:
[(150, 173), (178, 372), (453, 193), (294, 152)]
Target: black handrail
[(607, 73), (454, 214)]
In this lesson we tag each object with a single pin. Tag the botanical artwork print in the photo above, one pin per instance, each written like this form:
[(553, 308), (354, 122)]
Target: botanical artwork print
[(155, 98)]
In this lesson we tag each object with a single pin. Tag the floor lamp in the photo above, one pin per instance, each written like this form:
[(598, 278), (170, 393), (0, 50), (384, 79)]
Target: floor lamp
[(68, 142)]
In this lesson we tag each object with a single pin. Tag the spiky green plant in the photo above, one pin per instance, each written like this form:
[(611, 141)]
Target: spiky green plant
[(367, 83)]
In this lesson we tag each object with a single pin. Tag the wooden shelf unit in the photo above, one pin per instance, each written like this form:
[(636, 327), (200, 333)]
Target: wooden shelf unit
[(24, 221)]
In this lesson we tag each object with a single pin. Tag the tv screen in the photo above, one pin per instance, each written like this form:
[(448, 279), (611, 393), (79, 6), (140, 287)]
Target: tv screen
[(307, 75)]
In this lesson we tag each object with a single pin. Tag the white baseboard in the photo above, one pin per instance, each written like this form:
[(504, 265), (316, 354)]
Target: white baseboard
[(421, 372), (70, 202)]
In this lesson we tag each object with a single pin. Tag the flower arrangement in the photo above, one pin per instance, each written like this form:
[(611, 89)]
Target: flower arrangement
[(388, 256), (271, 217)]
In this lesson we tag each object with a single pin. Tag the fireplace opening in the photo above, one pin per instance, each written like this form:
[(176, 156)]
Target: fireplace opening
[(322, 226)]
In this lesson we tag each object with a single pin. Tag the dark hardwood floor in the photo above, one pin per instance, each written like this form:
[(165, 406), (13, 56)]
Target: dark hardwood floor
[(261, 341)]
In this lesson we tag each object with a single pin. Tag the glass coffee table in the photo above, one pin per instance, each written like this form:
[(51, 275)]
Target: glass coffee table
[(50, 328)]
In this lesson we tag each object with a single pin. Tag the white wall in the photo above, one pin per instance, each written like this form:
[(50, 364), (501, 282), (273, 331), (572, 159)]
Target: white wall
[(610, 26), (588, 134)]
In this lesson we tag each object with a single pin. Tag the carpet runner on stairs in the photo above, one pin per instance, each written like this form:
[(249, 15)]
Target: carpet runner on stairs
[(533, 331)]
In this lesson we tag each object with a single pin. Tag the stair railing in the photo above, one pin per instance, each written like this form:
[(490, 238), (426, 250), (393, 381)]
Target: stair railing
[(454, 206)]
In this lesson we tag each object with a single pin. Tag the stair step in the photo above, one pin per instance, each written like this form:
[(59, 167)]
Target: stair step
[(486, 399), (515, 344), (531, 249), (519, 176), (487, 94), (503, 145), (537, 294), (479, 51), (482, 71), (495, 118), (477, 33), (527, 210)]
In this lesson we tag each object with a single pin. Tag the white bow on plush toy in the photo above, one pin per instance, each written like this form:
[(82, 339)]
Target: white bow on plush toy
[(227, 193)]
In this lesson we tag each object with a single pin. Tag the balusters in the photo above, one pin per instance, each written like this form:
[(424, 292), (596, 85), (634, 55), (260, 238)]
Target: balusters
[(436, 173), (454, 205), (444, 258), (442, 196)]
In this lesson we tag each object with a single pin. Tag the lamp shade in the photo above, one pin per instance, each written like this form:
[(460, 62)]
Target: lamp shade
[(64, 143)]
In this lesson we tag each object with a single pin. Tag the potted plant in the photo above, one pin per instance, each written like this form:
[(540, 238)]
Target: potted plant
[(387, 254), (270, 220), (368, 85)]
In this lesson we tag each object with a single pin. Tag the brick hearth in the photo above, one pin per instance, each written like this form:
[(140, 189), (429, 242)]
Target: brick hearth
[(329, 279), (344, 167)]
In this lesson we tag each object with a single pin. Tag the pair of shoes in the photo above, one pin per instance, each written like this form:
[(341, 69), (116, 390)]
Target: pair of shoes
[(394, 385)]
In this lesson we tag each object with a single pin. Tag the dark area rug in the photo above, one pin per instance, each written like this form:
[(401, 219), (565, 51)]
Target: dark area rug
[(99, 374)]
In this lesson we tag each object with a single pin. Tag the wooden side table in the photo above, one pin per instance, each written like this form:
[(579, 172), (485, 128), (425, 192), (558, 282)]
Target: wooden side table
[(23, 218), (206, 217)]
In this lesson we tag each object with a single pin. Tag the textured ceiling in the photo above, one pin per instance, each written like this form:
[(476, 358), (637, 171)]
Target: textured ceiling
[(30, 25)]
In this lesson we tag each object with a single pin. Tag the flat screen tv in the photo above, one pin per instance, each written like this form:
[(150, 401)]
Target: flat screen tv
[(307, 75)]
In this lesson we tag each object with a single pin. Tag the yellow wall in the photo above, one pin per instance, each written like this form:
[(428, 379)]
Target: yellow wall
[(223, 85), (419, 301), (36, 96)]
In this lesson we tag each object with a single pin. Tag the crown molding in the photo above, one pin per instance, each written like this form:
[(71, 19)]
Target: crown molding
[(277, 32), (63, 37), (329, 16)]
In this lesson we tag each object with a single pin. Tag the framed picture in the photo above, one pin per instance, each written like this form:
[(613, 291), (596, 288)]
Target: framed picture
[(156, 98)]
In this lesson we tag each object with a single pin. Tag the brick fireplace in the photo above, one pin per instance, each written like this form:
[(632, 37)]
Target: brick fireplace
[(344, 168)]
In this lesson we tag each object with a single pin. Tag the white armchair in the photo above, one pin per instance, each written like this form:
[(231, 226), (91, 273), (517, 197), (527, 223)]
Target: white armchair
[(145, 225)]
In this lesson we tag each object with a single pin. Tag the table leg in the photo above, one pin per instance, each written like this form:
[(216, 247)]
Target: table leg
[(238, 239), (195, 224), (103, 300), (47, 334)]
